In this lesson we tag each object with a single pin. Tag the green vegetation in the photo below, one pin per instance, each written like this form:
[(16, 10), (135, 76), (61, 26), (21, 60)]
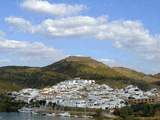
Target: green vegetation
[(7, 104), (157, 75), (15, 77), (83, 67), (89, 68), (137, 111), (132, 74), (21, 77), (8, 86)]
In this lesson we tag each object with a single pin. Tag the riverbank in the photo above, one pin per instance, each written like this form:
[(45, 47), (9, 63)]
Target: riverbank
[(96, 114), (8, 104), (135, 112), (28, 116)]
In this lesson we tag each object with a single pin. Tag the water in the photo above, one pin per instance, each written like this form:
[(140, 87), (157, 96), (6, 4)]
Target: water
[(28, 116)]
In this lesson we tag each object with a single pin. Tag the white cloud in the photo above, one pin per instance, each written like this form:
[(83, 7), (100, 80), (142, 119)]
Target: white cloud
[(110, 62), (20, 23), (56, 9), (129, 35), (70, 26), (31, 53), (116, 63)]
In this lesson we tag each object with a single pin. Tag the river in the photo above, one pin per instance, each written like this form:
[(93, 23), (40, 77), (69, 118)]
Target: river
[(28, 116)]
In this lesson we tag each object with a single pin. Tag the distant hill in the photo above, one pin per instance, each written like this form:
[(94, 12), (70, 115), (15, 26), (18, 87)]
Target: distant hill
[(15, 77), (157, 75), (136, 75), (24, 77), (88, 68)]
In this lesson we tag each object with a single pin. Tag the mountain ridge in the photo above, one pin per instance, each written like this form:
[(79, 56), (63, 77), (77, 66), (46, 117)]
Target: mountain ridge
[(157, 75), (69, 68)]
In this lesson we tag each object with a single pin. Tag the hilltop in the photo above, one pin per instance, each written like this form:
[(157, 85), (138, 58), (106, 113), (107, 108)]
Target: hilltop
[(84, 67), (17, 77)]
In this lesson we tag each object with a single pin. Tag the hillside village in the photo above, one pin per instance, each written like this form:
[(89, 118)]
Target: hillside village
[(88, 94)]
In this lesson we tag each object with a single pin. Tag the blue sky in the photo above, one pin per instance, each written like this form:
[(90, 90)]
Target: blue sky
[(118, 33)]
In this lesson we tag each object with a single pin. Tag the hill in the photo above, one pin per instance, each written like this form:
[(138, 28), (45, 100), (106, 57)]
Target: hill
[(84, 67), (15, 77), (157, 75), (23, 77), (88, 68), (136, 75)]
